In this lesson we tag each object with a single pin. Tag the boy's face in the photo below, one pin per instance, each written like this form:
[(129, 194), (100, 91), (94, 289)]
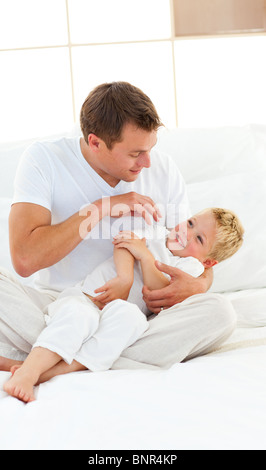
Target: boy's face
[(195, 237), (126, 159)]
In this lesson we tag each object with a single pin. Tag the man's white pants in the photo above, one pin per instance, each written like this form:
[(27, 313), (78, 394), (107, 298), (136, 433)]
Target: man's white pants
[(77, 329), (189, 329)]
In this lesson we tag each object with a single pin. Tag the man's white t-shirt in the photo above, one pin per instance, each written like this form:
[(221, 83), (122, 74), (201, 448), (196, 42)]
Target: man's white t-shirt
[(156, 242), (55, 175)]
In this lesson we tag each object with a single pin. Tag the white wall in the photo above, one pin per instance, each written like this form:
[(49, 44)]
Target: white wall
[(53, 52)]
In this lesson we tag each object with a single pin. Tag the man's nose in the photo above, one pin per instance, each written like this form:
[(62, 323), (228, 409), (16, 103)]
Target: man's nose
[(144, 160)]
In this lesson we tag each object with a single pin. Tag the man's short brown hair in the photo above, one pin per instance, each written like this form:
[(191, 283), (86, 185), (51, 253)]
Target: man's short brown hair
[(110, 106)]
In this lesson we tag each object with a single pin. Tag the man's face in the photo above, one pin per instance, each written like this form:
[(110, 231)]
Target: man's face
[(127, 158)]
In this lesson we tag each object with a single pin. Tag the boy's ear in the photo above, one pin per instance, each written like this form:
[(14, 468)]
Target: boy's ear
[(209, 263)]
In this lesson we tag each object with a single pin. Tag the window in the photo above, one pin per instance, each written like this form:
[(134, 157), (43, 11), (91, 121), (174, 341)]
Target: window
[(208, 17), (200, 61)]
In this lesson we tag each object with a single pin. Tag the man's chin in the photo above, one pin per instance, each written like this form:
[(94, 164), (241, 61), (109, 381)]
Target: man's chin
[(131, 177)]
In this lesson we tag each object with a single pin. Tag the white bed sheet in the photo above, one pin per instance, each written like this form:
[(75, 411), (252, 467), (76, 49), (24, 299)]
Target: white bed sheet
[(215, 401)]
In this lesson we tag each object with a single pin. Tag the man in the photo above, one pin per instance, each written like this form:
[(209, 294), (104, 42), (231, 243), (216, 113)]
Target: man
[(68, 195)]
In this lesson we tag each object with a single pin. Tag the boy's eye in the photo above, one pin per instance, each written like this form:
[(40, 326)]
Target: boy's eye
[(200, 239), (190, 223)]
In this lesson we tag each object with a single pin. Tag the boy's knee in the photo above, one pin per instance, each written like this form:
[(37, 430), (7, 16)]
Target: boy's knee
[(130, 314)]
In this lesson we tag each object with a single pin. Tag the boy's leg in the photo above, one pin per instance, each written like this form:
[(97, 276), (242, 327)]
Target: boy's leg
[(21, 384), (121, 324), (72, 320)]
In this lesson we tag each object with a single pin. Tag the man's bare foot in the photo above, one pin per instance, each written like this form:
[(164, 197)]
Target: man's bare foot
[(20, 385), (6, 364)]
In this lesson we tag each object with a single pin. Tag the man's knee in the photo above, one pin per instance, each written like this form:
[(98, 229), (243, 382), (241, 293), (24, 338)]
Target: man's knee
[(223, 310)]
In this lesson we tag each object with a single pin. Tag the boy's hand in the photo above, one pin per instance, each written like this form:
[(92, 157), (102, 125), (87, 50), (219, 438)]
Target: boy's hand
[(116, 288), (135, 245)]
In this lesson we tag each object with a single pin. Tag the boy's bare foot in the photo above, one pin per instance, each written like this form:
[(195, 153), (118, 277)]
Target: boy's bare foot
[(20, 385)]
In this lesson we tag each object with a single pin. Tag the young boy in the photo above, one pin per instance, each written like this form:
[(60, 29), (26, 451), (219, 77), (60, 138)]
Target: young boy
[(95, 330)]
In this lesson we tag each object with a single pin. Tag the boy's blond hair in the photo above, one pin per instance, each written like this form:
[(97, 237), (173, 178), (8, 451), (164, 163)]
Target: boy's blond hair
[(229, 234)]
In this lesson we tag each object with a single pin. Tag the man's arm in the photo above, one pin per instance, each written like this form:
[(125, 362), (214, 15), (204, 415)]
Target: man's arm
[(181, 286), (36, 244)]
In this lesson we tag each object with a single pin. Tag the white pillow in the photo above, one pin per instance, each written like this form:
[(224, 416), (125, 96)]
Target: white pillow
[(10, 153), (5, 260), (245, 194), (203, 154), (250, 307)]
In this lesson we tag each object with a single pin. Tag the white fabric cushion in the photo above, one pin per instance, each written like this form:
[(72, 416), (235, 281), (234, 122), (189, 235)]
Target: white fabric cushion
[(10, 153), (4, 245), (250, 307), (203, 154), (244, 193)]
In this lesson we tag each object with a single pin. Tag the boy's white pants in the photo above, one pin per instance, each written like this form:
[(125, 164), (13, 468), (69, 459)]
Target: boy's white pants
[(78, 329)]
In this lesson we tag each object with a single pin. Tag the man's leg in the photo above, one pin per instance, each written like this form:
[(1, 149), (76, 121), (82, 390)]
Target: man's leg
[(186, 330), (21, 318)]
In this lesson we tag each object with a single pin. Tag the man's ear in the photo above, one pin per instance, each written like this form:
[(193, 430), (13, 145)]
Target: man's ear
[(93, 141), (209, 263)]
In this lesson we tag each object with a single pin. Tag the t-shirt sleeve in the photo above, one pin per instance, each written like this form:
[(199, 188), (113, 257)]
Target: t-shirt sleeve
[(33, 180), (189, 265)]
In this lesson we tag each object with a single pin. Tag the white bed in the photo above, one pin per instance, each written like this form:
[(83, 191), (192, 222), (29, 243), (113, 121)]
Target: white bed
[(217, 401)]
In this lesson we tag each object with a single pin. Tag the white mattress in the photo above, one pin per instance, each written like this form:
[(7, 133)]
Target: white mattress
[(217, 401)]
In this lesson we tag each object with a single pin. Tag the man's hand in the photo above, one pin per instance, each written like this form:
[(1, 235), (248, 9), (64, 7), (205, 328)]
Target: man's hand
[(131, 203), (181, 286)]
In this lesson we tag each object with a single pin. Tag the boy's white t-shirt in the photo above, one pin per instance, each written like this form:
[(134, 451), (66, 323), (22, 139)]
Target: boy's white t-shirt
[(55, 175), (156, 242)]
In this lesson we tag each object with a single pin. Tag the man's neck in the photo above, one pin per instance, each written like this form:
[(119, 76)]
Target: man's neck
[(85, 150)]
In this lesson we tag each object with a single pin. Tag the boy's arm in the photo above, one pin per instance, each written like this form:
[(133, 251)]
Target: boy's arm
[(118, 287), (152, 277)]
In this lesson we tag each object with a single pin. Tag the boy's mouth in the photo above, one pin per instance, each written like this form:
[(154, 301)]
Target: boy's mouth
[(181, 242)]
